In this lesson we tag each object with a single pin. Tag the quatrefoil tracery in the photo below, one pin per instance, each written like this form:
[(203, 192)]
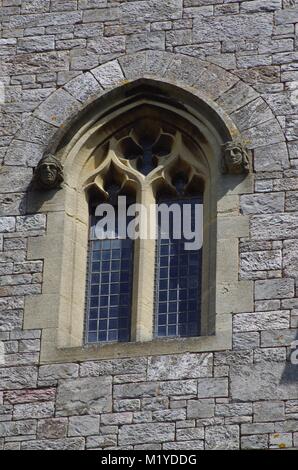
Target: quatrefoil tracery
[(145, 154)]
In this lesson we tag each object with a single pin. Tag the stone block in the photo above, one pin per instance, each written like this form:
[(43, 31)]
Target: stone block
[(46, 19), (58, 108), (254, 442), (24, 154), (115, 419), (280, 337), (135, 390), (169, 415), (182, 69), (30, 396), (287, 16), (280, 440), (109, 74), (232, 227), (264, 381), (151, 10), (237, 97), (106, 45), (15, 179), (259, 321), (269, 411), (12, 378), (126, 405), (274, 289), (233, 409), (54, 372), (257, 6), (202, 408), (260, 260), (113, 367), (274, 227), (267, 133), (262, 203), (95, 442), (215, 81), (291, 201), (234, 297), (36, 131), (290, 258), (146, 433), (52, 428), (190, 434), (212, 388), (149, 40), (84, 396), (77, 443), (34, 410), (222, 437), (36, 44), (7, 224), (245, 340), (184, 445), (31, 222), (225, 28), (83, 87), (18, 428), (184, 366), (83, 425), (178, 387), (252, 114)]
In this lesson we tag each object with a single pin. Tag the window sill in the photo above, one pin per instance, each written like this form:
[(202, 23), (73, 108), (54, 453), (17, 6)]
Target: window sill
[(222, 340)]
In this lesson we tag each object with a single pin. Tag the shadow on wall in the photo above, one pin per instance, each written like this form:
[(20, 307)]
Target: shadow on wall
[(290, 373)]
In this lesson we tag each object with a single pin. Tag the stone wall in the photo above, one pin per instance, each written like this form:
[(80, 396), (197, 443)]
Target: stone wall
[(244, 398)]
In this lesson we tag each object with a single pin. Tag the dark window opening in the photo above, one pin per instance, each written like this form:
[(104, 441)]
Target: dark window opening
[(109, 286), (178, 278)]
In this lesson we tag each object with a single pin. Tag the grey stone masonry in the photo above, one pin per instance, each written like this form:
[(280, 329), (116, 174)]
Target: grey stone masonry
[(57, 57)]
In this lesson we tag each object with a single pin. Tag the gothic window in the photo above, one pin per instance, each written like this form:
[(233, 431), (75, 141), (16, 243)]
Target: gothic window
[(157, 145), (150, 286)]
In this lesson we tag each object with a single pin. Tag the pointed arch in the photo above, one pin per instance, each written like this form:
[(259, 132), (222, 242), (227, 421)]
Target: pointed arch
[(79, 143)]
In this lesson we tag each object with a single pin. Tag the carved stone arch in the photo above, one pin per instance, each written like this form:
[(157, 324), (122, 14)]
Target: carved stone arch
[(245, 109), (118, 87)]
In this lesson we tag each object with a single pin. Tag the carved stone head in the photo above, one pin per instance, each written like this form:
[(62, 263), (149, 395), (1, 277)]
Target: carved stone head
[(235, 158), (48, 173)]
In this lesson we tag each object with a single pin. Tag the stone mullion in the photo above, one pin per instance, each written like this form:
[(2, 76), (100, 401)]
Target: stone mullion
[(144, 276)]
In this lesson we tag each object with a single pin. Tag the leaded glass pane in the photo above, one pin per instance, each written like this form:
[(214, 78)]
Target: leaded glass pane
[(109, 288), (178, 281)]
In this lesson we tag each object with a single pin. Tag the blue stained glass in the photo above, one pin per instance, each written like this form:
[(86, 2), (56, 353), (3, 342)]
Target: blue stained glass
[(94, 290), (95, 267), (178, 283), (109, 289), (92, 337), (113, 335), (163, 295), (96, 256), (94, 301), (172, 295), (115, 277), (114, 288)]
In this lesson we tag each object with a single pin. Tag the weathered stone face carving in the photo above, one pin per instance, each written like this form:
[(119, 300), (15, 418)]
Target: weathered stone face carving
[(235, 158), (48, 173)]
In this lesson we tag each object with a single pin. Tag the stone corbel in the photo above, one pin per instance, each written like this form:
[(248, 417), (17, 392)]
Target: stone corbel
[(235, 159), (48, 174)]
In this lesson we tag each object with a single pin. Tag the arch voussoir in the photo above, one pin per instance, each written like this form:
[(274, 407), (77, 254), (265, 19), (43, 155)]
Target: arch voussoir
[(220, 89)]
